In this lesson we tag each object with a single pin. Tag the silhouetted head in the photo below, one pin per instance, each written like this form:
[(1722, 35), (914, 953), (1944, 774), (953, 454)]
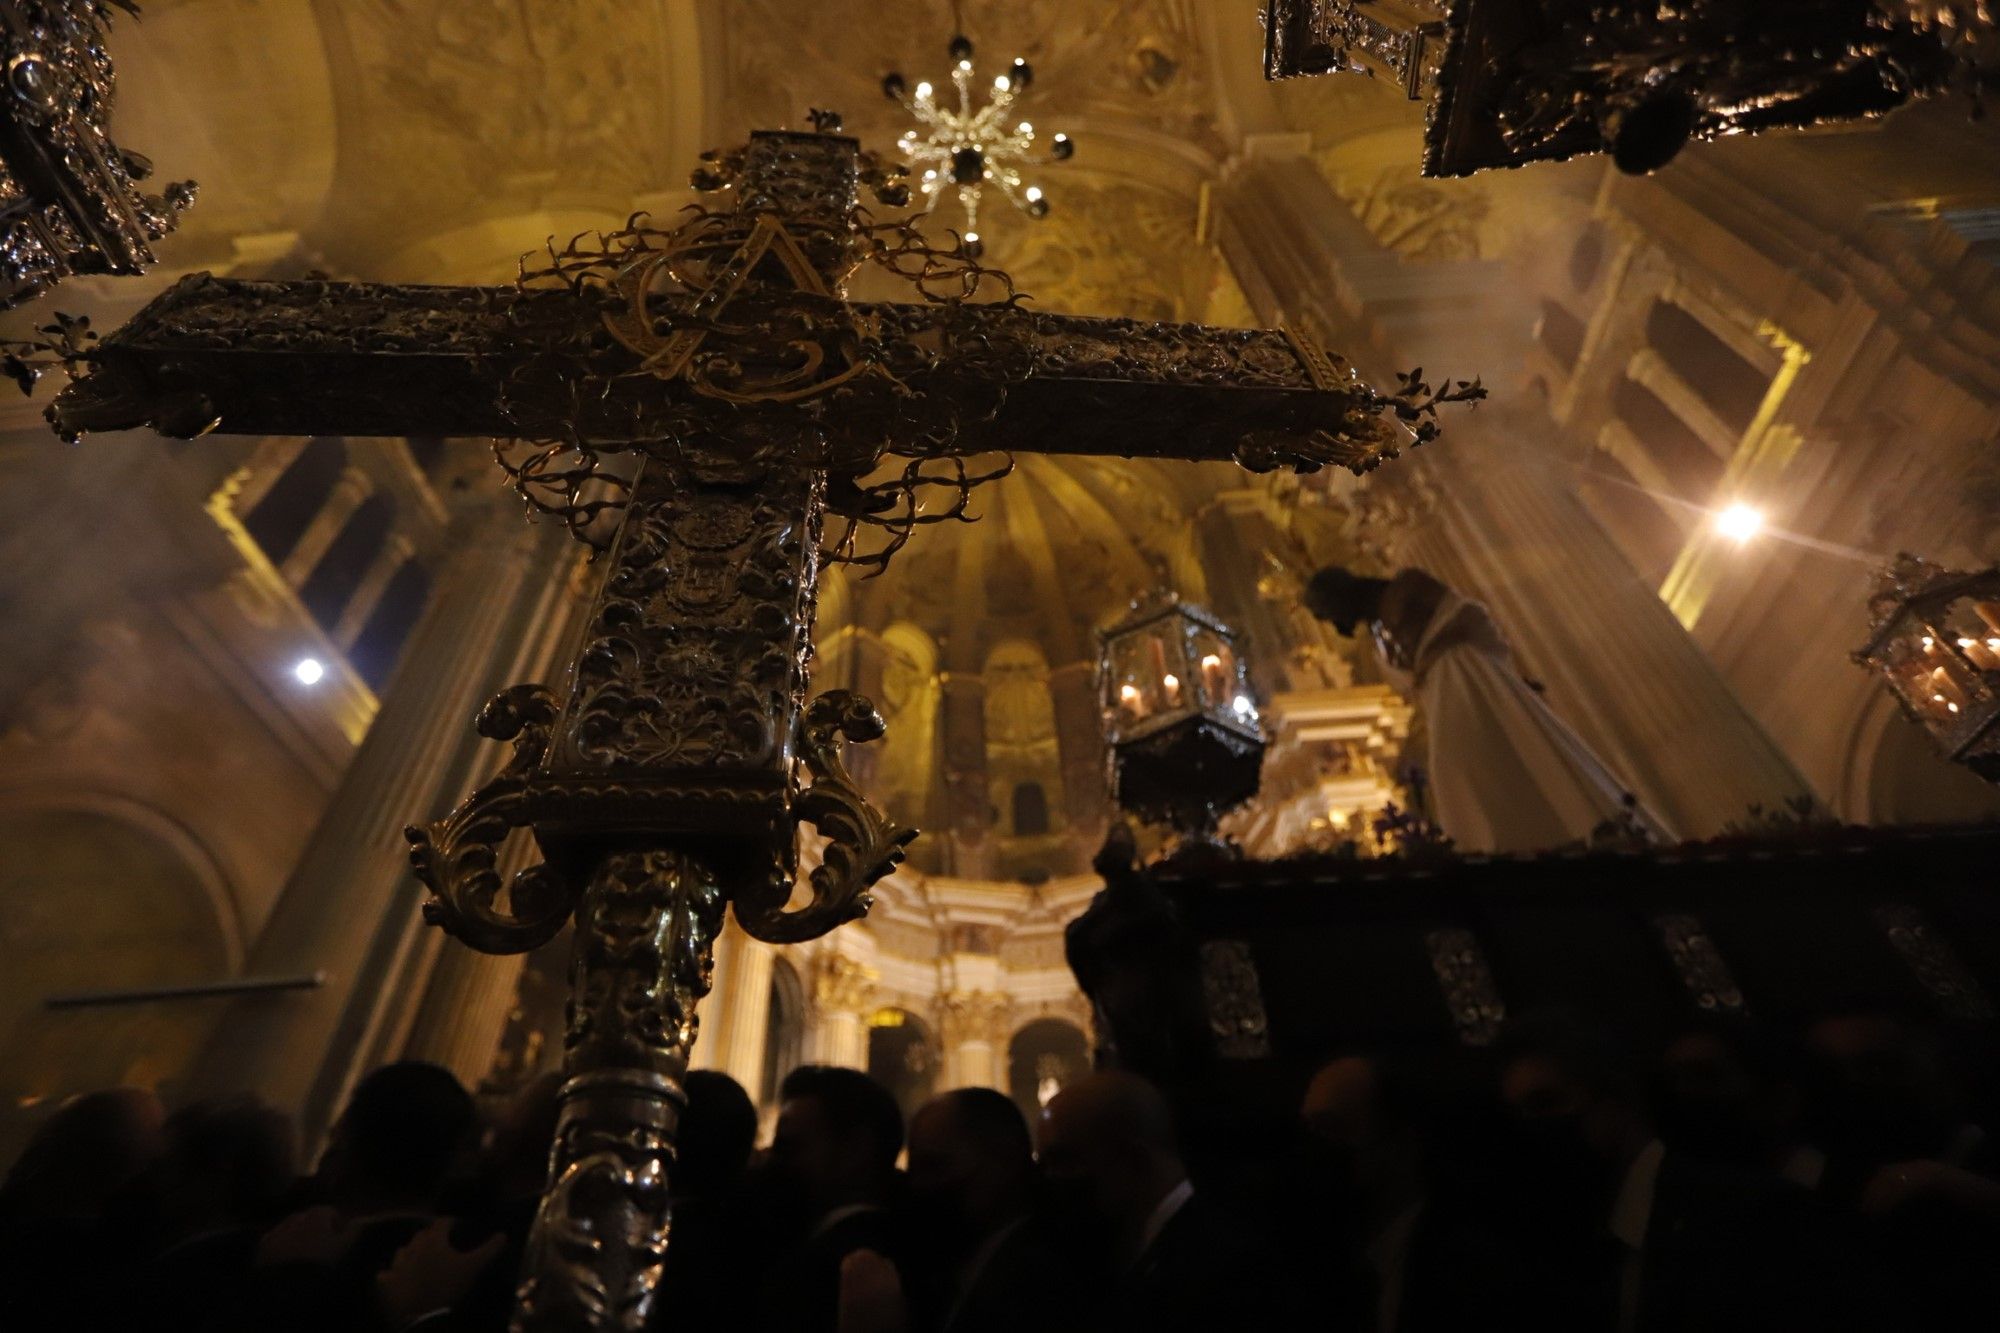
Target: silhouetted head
[(228, 1163), (92, 1148), (1108, 1147), (1728, 1092), (972, 1162), (1344, 599), (408, 1128), (717, 1135), (838, 1135)]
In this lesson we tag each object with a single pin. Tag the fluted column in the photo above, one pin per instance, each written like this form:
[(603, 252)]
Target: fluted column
[(1496, 512), (973, 1026), (748, 1015), (351, 908), (710, 1049), (843, 991)]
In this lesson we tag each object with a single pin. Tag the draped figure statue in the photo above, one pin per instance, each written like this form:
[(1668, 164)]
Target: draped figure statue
[(1505, 773)]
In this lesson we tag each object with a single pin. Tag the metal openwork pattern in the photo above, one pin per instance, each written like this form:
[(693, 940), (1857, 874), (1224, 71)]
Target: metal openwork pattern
[(695, 402), (1936, 643), (1509, 83), (70, 200)]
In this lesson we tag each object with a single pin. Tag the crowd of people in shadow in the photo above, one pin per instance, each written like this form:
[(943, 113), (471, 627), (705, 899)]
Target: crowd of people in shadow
[(1731, 1181)]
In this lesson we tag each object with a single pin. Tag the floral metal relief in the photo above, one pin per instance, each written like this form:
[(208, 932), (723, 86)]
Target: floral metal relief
[(1936, 965), (1467, 982), (1699, 964), (1235, 1000)]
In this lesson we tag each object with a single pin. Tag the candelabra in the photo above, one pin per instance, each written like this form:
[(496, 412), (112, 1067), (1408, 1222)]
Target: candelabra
[(964, 147)]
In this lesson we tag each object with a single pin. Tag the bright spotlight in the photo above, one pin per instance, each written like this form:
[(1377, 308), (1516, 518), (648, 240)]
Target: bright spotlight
[(308, 671), (1740, 522)]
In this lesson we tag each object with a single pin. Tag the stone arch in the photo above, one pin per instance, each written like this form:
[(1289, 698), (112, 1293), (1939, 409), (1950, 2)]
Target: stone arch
[(1022, 750), (99, 893), (909, 701), (903, 1056), (1895, 775)]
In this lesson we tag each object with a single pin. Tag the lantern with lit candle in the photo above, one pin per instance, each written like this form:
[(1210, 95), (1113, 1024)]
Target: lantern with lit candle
[(1186, 743), (1937, 643)]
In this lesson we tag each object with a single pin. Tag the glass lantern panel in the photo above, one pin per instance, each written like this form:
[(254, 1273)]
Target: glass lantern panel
[(1168, 636), (1939, 680), (1225, 692), (1134, 682), (1973, 628)]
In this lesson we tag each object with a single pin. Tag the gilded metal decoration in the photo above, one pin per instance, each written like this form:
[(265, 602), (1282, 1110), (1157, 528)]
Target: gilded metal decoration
[(1235, 1000), (1509, 82), (1699, 964), (1936, 643), (1936, 965), (1186, 743), (1467, 982), (70, 198), (694, 402), (964, 147)]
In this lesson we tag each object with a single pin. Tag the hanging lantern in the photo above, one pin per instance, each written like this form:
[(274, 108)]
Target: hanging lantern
[(1937, 643), (1186, 744)]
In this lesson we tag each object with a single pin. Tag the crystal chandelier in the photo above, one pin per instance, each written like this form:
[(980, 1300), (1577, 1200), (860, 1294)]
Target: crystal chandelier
[(964, 147)]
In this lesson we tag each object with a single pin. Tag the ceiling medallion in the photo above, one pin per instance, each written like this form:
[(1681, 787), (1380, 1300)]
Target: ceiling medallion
[(965, 147), (70, 201), (1509, 83)]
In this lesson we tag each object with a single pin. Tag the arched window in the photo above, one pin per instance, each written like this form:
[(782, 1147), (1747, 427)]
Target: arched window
[(339, 572), (1688, 462), (1031, 810), (902, 1057), (94, 902), (381, 640), (1562, 333), (1043, 1058), (277, 521), (1733, 388)]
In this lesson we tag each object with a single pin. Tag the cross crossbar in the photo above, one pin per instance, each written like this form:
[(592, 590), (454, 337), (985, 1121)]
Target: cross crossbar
[(346, 358)]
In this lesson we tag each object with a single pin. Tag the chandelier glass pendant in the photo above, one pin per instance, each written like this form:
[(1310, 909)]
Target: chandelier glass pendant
[(964, 148)]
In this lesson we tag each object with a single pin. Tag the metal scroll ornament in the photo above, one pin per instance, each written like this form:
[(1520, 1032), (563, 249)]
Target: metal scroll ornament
[(1509, 82), (70, 198)]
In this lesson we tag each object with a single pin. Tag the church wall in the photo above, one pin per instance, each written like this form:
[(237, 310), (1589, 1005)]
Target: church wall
[(1879, 402)]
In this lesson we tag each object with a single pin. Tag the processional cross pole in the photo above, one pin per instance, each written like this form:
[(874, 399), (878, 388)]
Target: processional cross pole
[(669, 778)]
